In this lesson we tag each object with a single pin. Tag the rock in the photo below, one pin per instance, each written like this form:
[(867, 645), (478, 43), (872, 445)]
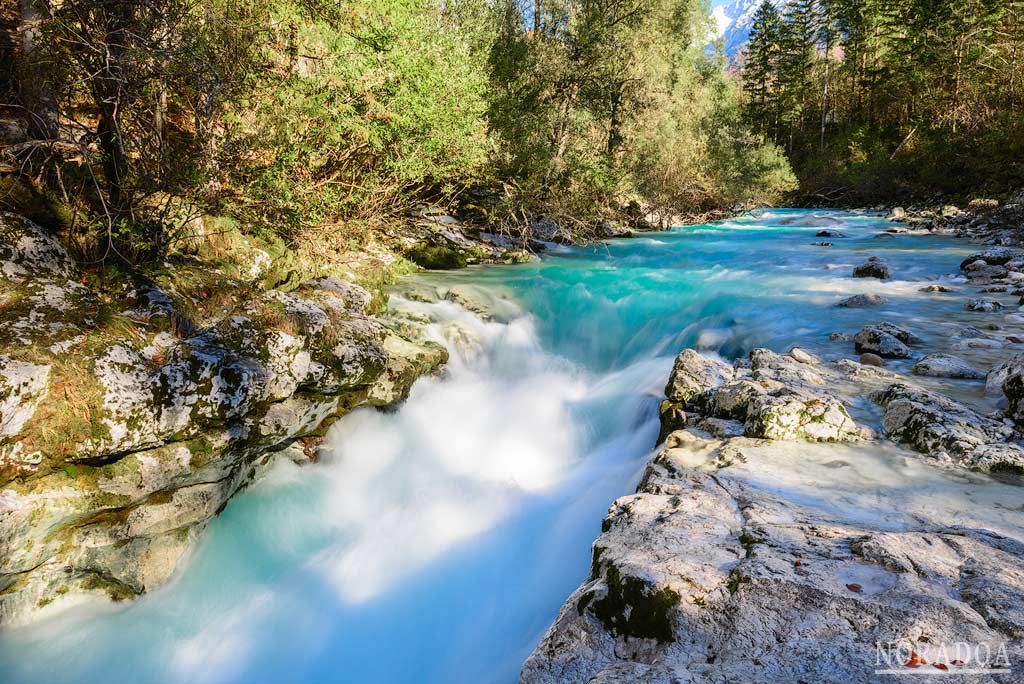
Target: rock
[(979, 271), (721, 428), (941, 365), (872, 269), (701, 577), (1012, 372), (692, 375), (884, 235), (155, 419), (773, 369), (782, 399), (950, 211), (790, 414), (731, 400), (993, 256), (821, 244), (26, 250), (882, 341), (998, 375), (470, 300), (546, 230), (899, 332), (983, 305), (982, 205), (897, 213), (835, 234), (945, 430), (935, 287), (840, 337), (869, 359), (800, 355), (862, 301)]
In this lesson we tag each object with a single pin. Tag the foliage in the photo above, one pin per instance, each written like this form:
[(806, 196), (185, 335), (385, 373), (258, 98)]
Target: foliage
[(325, 123), (601, 101), (369, 109), (886, 97)]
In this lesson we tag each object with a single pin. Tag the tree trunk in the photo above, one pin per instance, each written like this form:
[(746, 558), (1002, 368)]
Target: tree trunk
[(36, 93), (615, 125)]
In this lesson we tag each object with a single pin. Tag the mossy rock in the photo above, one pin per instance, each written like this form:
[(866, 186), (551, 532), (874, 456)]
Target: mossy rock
[(632, 608), (436, 257)]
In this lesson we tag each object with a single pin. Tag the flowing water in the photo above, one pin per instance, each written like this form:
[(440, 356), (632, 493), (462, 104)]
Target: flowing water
[(437, 542)]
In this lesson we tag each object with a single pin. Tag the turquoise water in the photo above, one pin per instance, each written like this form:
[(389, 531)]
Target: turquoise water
[(436, 543)]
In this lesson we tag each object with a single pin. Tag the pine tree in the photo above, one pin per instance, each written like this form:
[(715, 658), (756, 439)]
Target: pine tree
[(759, 71)]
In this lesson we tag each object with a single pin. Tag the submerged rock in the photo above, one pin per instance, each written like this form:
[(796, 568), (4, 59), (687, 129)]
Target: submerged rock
[(983, 305), (872, 269), (935, 287), (941, 365), (862, 301)]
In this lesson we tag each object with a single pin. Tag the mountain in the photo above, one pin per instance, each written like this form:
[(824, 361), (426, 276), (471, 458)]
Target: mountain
[(733, 20)]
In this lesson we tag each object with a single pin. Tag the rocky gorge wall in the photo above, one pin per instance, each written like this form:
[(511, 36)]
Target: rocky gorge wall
[(127, 421)]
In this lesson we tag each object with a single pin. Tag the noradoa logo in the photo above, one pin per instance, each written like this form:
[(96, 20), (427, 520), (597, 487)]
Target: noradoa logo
[(907, 657)]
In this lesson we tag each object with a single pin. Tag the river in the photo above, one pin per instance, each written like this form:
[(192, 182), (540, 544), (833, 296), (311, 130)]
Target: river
[(436, 543)]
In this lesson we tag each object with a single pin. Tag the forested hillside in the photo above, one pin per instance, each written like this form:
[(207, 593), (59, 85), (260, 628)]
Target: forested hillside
[(323, 122), (880, 99)]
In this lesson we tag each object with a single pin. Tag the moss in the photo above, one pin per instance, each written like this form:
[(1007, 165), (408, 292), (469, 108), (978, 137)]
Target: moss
[(202, 451), (735, 581), (436, 257), (631, 608), (115, 589), (584, 601), (595, 561)]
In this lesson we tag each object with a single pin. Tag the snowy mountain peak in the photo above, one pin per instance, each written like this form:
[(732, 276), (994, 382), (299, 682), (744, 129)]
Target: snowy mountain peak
[(733, 21)]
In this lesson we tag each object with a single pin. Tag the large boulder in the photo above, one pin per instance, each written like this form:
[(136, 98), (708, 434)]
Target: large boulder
[(28, 251), (780, 397), (941, 365), (948, 431)]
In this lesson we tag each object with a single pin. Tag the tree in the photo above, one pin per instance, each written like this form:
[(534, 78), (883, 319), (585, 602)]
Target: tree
[(760, 68)]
